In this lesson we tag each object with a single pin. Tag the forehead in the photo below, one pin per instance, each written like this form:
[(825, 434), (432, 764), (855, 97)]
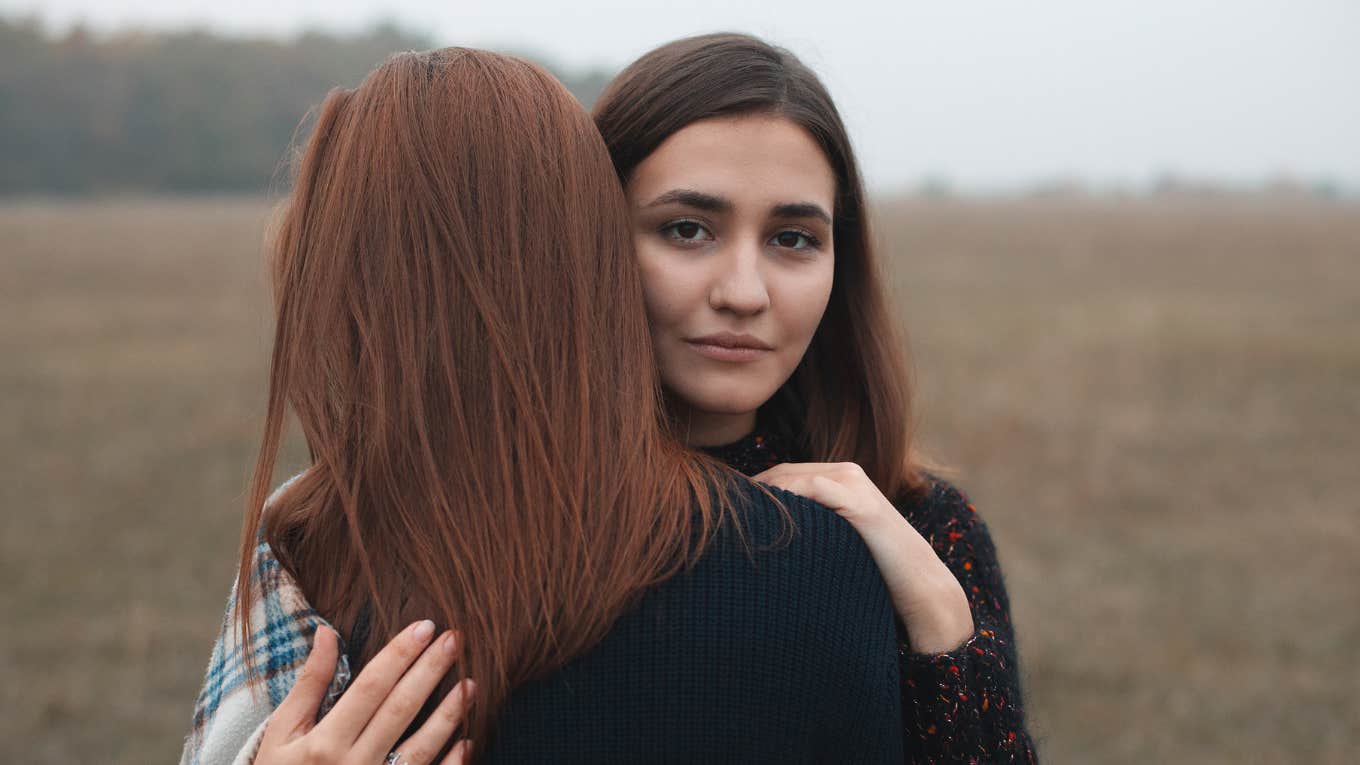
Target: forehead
[(753, 160)]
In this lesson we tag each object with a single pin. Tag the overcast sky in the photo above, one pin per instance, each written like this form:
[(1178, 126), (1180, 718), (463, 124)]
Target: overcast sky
[(989, 94)]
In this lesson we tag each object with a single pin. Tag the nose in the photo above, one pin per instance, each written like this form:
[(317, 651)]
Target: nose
[(739, 286)]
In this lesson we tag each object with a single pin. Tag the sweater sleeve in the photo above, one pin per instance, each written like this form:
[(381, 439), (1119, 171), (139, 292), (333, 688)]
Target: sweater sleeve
[(964, 705)]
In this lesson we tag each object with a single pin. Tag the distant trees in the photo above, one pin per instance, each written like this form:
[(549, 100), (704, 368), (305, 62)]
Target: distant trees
[(181, 111)]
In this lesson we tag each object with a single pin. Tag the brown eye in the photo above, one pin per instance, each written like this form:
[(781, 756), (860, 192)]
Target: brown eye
[(793, 240), (686, 231)]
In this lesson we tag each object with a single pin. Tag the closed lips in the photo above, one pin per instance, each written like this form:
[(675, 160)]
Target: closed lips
[(730, 340), (731, 348)]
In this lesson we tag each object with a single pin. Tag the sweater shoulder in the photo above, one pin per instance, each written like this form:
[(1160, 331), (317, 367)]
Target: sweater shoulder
[(766, 513), (802, 554), (938, 503)]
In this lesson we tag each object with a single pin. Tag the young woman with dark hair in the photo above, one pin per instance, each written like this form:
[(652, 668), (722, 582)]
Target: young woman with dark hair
[(778, 354), (462, 338)]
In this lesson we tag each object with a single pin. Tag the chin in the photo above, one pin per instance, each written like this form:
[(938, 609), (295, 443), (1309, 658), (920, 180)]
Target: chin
[(721, 391), (722, 400)]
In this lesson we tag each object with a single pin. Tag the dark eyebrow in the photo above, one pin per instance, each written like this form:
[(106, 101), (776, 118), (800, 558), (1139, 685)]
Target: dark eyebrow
[(696, 199), (801, 210)]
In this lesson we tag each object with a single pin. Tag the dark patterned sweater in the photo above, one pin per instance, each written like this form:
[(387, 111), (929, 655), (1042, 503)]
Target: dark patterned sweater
[(963, 705)]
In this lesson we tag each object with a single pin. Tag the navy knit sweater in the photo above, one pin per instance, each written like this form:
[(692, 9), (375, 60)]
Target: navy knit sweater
[(782, 655), (963, 705)]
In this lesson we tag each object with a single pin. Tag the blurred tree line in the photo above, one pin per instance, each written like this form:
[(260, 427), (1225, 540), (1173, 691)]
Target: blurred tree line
[(173, 111)]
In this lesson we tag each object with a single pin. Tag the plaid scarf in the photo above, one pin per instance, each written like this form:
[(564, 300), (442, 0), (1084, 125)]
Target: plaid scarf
[(236, 699)]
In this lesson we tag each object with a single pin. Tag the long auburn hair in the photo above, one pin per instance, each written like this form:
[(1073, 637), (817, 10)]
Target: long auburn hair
[(461, 336), (850, 397)]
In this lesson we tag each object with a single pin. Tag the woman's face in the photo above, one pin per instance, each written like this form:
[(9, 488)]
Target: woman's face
[(732, 226)]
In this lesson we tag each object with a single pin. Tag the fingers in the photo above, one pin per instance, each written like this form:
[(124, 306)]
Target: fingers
[(343, 724), (843, 472), (841, 486), (405, 701), (820, 489), (426, 742), (297, 712)]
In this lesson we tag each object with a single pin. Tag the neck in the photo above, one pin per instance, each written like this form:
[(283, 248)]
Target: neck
[(715, 429)]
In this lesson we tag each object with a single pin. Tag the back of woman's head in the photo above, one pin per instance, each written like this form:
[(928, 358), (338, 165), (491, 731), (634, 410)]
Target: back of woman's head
[(850, 398), (462, 339)]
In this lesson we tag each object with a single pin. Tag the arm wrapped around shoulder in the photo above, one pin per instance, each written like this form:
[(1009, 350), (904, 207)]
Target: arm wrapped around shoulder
[(245, 682), (965, 703)]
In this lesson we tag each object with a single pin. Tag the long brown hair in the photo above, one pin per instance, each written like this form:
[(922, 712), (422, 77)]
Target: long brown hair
[(461, 336), (850, 397)]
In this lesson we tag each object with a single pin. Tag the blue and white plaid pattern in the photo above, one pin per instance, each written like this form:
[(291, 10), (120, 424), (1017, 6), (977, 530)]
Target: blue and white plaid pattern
[(231, 710)]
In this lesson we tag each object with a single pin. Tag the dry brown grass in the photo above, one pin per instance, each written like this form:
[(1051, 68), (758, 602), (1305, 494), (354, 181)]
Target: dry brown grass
[(1154, 405)]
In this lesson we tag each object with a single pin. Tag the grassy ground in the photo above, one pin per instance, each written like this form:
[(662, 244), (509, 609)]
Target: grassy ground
[(1153, 404)]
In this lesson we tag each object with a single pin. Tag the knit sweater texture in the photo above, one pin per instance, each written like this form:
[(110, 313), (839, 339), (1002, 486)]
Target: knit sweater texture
[(758, 653), (963, 705)]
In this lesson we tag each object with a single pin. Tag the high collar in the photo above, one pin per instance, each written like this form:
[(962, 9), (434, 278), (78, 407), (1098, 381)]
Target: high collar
[(753, 453)]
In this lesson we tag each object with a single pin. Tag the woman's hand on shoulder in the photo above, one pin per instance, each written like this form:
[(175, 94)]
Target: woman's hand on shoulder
[(928, 597), (378, 706)]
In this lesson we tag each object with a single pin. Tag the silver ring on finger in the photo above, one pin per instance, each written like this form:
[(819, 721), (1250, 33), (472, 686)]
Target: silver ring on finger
[(395, 758)]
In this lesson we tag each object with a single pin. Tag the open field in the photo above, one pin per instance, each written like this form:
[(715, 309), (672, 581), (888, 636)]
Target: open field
[(1155, 404)]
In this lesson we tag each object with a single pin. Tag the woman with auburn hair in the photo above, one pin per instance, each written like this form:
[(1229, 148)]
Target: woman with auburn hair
[(462, 338), (779, 355)]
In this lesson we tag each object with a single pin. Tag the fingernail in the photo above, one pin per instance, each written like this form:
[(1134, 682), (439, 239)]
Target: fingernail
[(423, 630), (449, 643)]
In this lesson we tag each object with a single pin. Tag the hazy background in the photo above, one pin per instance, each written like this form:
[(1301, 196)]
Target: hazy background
[(1124, 237), (983, 94)]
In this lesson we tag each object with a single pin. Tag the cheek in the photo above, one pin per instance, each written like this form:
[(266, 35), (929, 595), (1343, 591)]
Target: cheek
[(670, 286), (803, 299)]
